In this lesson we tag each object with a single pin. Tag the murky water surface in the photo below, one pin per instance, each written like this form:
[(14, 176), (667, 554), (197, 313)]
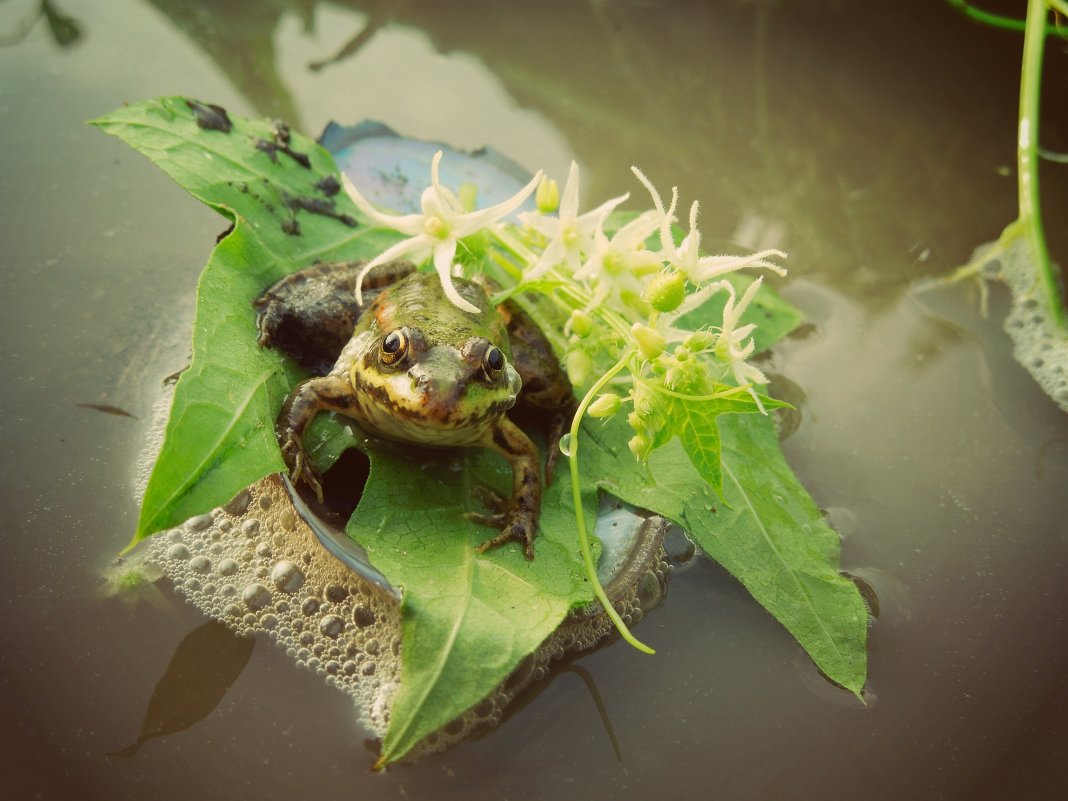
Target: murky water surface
[(874, 142)]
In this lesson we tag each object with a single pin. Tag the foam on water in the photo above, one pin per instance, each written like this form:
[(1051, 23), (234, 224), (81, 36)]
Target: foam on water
[(1039, 343)]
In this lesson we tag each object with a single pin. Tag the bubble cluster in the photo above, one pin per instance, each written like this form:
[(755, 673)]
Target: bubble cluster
[(255, 567), (1039, 343)]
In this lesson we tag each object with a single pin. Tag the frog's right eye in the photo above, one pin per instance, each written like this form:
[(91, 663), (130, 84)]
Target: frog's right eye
[(394, 347)]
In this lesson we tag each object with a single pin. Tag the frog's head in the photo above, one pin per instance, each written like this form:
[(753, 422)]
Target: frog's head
[(431, 373)]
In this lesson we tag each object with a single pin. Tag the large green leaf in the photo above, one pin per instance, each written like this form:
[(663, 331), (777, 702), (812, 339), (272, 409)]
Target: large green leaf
[(220, 435), (468, 618), (766, 531)]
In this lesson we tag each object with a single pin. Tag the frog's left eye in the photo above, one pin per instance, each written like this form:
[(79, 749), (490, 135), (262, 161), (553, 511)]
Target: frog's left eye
[(394, 347), (493, 361)]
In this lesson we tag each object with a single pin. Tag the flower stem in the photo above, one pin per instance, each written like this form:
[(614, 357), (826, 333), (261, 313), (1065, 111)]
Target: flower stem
[(1027, 155), (580, 518)]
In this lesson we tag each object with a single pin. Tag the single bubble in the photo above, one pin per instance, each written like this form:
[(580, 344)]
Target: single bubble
[(310, 606), (565, 444), (362, 616), (200, 522), (250, 527), (178, 551), (287, 576), (331, 626), (201, 564), (256, 596)]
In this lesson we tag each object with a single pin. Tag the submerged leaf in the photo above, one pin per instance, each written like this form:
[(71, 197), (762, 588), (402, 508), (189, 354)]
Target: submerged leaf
[(205, 665)]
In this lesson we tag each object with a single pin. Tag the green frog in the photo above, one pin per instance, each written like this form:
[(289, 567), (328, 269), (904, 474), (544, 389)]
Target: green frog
[(408, 365)]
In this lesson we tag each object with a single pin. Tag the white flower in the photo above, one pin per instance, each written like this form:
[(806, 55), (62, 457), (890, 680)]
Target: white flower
[(437, 230), (623, 257), (730, 345), (686, 256), (570, 235)]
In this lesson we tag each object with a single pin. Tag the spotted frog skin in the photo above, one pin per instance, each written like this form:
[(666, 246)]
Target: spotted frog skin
[(409, 366)]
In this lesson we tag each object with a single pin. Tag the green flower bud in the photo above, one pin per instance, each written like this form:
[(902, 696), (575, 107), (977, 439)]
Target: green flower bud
[(578, 365), (606, 405), (547, 195), (666, 291), (635, 421), (467, 194), (699, 340), (650, 342), (580, 323), (682, 353), (644, 400), (640, 446)]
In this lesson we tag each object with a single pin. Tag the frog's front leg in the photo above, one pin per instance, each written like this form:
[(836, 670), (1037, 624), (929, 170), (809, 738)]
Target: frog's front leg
[(329, 393), (517, 518)]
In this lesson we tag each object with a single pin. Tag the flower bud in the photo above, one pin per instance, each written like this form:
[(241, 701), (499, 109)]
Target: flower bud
[(467, 194), (699, 340), (578, 364), (666, 291), (635, 421), (606, 405), (580, 323), (640, 446), (650, 342), (644, 400), (547, 195)]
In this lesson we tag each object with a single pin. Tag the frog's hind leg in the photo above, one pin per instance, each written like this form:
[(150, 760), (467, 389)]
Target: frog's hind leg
[(309, 315), (517, 517)]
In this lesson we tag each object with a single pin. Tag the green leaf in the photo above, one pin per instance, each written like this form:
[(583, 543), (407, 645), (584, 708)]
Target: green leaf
[(468, 618), (694, 422), (767, 532), (220, 435)]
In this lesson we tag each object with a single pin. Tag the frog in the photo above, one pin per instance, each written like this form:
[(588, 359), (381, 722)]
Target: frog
[(407, 365)]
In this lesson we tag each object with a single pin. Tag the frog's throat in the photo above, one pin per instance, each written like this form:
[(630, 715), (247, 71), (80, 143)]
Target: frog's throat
[(397, 406)]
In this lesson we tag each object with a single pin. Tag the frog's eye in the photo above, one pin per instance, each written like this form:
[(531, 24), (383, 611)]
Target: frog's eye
[(493, 361), (393, 347)]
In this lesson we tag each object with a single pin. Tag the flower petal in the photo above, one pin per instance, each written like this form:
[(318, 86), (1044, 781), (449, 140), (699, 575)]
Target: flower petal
[(469, 223), (410, 224), (443, 253)]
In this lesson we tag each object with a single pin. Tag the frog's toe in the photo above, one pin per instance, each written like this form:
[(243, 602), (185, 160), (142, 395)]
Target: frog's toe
[(491, 499), (521, 529), (300, 468), (497, 520)]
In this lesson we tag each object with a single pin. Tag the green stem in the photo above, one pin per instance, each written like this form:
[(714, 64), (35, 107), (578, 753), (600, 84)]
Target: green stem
[(580, 518), (999, 21), (1027, 155)]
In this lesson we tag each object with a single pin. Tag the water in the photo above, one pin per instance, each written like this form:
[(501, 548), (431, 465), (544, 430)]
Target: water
[(870, 143)]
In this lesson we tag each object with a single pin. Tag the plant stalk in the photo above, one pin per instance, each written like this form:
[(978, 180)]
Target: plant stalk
[(580, 518), (1027, 160)]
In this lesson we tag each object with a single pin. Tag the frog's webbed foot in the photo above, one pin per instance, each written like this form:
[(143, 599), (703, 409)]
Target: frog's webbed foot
[(518, 527), (515, 524)]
